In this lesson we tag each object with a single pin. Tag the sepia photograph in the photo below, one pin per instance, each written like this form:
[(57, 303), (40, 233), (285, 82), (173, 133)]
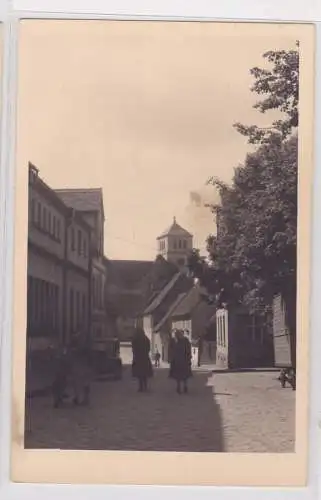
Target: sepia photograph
[(158, 255)]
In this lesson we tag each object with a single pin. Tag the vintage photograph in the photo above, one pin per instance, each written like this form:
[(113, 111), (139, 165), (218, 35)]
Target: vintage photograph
[(161, 169)]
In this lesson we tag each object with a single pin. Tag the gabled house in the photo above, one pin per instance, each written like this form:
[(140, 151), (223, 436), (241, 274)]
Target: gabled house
[(162, 302), (192, 314)]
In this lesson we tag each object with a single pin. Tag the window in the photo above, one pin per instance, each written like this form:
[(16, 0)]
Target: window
[(39, 213), (56, 307), (71, 311), (58, 229), (44, 219), (72, 239), (179, 244), (49, 222), (175, 244), (79, 242), (85, 247), (84, 311), (93, 291), (33, 211), (78, 322), (54, 226), (184, 244)]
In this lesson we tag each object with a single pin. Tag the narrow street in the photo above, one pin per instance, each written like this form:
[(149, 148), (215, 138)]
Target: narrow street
[(231, 412)]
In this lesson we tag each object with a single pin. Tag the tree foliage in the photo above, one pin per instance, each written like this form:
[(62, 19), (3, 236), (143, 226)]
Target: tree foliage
[(253, 255), (280, 86)]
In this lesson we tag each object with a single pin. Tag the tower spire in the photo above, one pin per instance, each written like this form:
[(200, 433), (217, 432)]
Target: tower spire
[(174, 219)]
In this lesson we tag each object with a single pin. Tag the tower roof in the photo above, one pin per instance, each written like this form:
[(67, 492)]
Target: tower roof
[(175, 230)]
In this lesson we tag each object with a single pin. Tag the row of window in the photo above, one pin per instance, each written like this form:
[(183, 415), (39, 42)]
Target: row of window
[(43, 218), (78, 242), (42, 307), (177, 244), (77, 311)]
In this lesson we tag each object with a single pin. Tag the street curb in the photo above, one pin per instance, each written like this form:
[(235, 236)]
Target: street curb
[(245, 370)]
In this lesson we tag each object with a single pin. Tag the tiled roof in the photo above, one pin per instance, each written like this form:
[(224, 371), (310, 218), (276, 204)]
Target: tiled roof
[(162, 294), (169, 312), (189, 302), (175, 230), (129, 273), (127, 304), (83, 200)]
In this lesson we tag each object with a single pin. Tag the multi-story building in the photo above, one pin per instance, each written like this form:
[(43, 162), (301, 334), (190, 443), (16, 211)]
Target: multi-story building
[(88, 203), (77, 276), (46, 264)]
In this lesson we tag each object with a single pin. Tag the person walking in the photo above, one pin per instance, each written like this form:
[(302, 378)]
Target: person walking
[(141, 366), (181, 360), (157, 358)]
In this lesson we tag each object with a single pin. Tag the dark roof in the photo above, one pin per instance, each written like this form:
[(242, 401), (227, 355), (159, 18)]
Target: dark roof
[(169, 311), (83, 200), (162, 294), (129, 273), (127, 304), (175, 230), (189, 302)]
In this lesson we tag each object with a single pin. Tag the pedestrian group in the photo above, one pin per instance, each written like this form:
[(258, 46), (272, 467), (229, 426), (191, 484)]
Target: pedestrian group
[(180, 358), (73, 367)]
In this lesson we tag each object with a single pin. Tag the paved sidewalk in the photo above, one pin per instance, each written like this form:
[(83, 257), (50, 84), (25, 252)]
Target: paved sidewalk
[(257, 414)]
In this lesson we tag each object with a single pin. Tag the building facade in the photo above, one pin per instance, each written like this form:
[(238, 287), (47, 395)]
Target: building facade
[(88, 203), (46, 266), (244, 340), (67, 272)]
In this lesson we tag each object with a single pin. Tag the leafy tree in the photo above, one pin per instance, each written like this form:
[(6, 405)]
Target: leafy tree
[(253, 255), (280, 85)]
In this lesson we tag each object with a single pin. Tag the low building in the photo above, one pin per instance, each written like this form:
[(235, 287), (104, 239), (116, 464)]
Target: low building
[(132, 285), (192, 314), (160, 304), (244, 340)]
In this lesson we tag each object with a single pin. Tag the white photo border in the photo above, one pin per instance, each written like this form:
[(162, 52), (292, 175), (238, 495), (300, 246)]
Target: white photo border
[(229, 10)]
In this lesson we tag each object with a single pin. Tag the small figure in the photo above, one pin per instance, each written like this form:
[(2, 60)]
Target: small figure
[(157, 358)]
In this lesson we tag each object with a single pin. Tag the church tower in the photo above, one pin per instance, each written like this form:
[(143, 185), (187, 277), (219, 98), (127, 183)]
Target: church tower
[(175, 244)]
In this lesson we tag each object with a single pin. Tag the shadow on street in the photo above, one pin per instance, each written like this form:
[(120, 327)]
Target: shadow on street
[(120, 418)]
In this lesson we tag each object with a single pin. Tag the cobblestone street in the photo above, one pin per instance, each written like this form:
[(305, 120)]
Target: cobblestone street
[(232, 412)]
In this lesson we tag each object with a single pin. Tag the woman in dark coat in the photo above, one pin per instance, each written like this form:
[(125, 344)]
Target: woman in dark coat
[(142, 367), (181, 361)]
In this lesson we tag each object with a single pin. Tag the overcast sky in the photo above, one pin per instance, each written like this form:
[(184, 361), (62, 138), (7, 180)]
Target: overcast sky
[(144, 110)]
